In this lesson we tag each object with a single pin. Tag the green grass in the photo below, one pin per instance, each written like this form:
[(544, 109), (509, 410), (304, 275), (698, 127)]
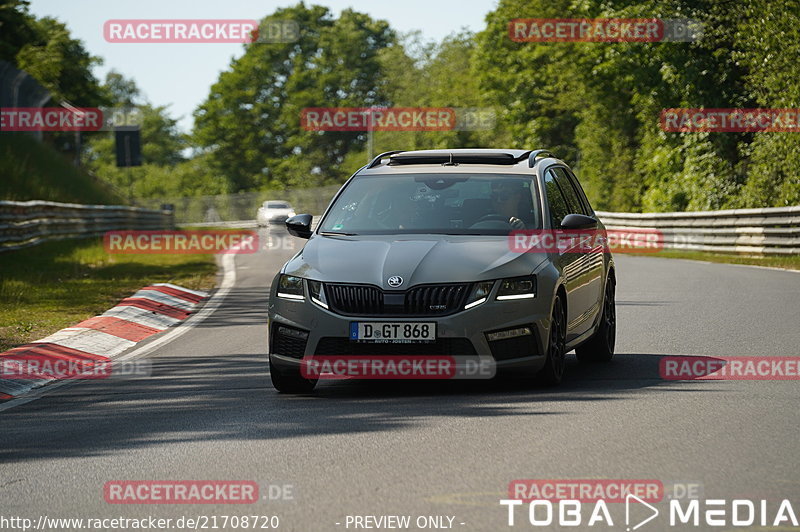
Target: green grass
[(789, 262), (57, 284), (32, 170)]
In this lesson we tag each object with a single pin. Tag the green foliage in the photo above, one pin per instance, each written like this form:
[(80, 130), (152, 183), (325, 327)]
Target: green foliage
[(34, 170), (597, 105), (250, 124), (58, 283), (61, 64), (165, 172), (429, 74), (768, 42), (16, 28)]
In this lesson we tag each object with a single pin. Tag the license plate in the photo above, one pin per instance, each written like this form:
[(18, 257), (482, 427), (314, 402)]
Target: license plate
[(393, 332)]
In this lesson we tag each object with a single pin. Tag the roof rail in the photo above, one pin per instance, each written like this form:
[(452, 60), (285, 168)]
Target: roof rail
[(377, 160), (538, 153)]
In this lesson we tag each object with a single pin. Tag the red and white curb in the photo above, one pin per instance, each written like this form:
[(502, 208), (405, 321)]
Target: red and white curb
[(102, 338)]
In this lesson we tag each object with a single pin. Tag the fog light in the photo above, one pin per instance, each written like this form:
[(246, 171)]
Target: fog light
[(508, 333), (294, 333)]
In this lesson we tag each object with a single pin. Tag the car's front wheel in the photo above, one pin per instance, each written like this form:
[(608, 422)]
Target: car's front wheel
[(553, 370), (600, 347), (290, 381)]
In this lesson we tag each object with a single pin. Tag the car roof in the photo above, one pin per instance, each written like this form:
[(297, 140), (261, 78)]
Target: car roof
[(467, 160)]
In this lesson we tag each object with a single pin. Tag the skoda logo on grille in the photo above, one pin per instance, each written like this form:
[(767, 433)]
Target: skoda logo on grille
[(394, 281)]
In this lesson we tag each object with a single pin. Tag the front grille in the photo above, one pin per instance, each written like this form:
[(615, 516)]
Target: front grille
[(422, 300), (357, 299), (450, 297), (286, 344), (442, 346)]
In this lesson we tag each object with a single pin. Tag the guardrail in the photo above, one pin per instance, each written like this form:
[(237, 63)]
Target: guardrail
[(235, 224), (743, 231), (27, 223)]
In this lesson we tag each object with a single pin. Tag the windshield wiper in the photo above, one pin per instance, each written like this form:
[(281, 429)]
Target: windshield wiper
[(336, 233)]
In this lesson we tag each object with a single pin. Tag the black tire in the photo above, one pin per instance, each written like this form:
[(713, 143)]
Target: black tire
[(553, 370), (600, 347), (290, 381)]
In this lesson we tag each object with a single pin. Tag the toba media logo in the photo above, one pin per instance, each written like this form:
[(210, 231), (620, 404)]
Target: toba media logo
[(585, 503)]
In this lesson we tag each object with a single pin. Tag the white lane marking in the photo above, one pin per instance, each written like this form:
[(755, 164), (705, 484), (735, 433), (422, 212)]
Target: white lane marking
[(773, 268), (228, 281)]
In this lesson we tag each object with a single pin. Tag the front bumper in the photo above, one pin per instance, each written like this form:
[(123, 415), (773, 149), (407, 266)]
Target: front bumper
[(461, 334)]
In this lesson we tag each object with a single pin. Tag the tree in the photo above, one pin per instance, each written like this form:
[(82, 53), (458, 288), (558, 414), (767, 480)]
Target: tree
[(602, 101), (61, 64), (16, 28), (768, 42), (250, 124), (165, 171)]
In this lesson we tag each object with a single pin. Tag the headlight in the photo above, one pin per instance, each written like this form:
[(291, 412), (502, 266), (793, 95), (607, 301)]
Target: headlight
[(290, 287), (517, 288), (479, 294), (317, 293)]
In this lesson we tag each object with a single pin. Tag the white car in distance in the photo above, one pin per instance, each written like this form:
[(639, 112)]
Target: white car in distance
[(273, 212)]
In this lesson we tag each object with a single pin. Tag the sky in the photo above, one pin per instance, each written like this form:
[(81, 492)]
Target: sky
[(180, 75)]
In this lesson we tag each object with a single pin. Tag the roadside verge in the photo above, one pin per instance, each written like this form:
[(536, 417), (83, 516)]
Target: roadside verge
[(88, 349)]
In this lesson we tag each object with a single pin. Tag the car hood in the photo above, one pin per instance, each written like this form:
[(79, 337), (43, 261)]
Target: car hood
[(418, 259)]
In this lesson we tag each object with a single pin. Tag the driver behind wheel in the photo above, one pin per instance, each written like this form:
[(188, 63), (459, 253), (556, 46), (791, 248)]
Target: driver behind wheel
[(512, 200)]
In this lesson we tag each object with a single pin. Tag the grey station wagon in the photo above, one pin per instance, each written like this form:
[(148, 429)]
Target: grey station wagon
[(413, 257)]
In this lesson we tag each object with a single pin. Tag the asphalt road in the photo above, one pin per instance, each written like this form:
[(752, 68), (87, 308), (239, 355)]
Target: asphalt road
[(442, 449)]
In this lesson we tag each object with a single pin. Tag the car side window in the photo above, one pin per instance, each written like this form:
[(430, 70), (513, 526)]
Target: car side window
[(555, 199), (581, 193), (574, 203)]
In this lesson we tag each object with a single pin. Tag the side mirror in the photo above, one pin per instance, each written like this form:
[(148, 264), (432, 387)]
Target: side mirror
[(578, 221), (299, 225)]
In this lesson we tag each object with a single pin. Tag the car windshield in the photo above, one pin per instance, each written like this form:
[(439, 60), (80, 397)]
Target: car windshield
[(277, 205), (481, 204)]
